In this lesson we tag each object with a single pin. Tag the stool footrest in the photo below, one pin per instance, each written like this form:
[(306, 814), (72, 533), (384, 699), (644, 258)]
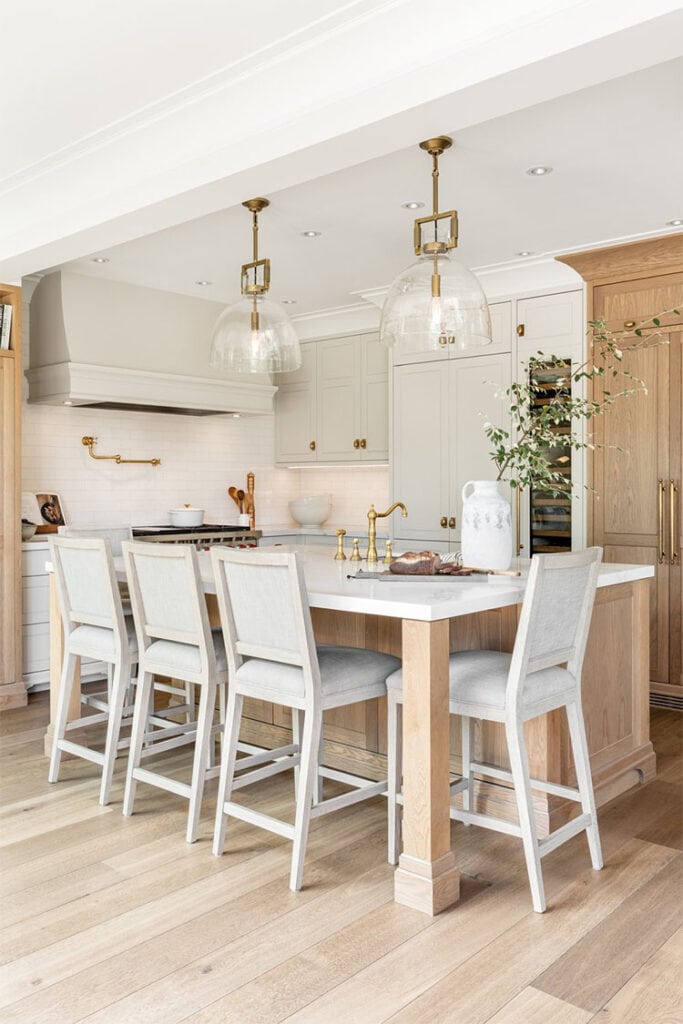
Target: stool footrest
[(281, 828)]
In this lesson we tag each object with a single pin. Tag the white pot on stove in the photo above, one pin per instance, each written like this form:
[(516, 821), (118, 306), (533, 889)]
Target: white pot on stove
[(186, 516)]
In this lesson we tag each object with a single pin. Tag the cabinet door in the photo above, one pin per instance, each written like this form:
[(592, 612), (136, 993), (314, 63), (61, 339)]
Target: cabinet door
[(420, 455), (473, 399), (631, 476), (374, 399), (338, 400), (295, 428)]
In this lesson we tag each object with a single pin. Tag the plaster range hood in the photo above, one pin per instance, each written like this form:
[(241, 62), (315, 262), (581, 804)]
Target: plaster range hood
[(111, 345)]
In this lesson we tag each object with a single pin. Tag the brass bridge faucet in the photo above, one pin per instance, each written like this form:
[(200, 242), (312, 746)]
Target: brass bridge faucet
[(373, 516)]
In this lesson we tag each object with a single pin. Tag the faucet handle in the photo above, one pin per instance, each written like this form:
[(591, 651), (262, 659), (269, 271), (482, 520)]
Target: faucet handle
[(389, 555), (340, 556), (355, 554)]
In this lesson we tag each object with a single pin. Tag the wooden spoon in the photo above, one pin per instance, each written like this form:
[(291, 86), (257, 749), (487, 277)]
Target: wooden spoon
[(232, 491), (240, 501)]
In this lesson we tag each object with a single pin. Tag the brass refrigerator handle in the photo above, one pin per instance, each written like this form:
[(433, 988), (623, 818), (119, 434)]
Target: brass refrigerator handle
[(661, 554), (518, 525), (673, 549)]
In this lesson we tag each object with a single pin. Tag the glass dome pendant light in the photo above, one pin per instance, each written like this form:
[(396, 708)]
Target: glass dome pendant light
[(436, 302), (255, 335)]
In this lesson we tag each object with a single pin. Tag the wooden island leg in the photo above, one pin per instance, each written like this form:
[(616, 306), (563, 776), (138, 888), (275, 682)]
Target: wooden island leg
[(427, 878)]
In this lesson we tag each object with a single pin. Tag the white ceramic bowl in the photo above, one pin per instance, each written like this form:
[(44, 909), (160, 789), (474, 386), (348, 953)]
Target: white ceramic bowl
[(186, 516), (27, 530), (311, 511)]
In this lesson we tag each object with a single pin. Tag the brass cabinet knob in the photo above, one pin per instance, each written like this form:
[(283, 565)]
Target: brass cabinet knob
[(444, 522), (628, 324), (363, 442), (356, 443), (451, 523), (443, 340), (312, 446)]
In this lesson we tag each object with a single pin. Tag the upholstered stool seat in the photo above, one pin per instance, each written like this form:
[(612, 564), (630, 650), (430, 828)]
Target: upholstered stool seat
[(176, 640), (94, 627), (272, 656), (543, 673)]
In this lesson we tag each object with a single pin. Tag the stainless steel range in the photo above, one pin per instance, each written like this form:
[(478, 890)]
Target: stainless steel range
[(204, 536)]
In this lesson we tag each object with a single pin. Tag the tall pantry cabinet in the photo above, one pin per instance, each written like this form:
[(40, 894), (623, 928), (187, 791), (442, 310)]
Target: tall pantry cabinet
[(12, 690), (634, 508)]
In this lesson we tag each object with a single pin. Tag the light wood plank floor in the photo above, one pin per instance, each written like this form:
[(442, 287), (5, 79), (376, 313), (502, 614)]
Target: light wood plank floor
[(116, 920)]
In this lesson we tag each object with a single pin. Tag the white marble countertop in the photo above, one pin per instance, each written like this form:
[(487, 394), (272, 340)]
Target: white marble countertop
[(321, 531), (329, 586)]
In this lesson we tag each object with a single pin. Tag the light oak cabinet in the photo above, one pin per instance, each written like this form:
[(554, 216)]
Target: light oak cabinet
[(637, 473), (334, 409), (12, 690)]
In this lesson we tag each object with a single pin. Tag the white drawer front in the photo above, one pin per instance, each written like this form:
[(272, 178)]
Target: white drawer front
[(36, 647), (35, 599), (33, 562)]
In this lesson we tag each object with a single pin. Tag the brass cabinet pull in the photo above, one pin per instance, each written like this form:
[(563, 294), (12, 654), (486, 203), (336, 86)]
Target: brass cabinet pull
[(661, 553), (356, 443), (363, 442), (312, 446), (451, 523), (444, 522), (628, 324), (673, 532), (443, 340)]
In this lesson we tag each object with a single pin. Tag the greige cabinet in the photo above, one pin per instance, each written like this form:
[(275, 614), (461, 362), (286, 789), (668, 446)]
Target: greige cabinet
[(334, 409), (439, 411)]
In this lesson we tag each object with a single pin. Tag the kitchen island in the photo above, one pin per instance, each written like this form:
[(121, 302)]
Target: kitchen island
[(421, 622)]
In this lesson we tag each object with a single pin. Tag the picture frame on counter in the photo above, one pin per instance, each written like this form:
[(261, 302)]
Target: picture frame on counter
[(49, 510)]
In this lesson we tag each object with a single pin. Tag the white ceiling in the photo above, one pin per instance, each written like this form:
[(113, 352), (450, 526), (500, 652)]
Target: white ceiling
[(158, 117), (616, 150)]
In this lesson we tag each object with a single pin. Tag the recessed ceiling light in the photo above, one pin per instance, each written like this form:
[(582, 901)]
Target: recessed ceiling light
[(203, 283), (675, 223), (289, 302), (412, 204), (67, 401), (538, 172), (311, 234), (524, 252), (99, 259)]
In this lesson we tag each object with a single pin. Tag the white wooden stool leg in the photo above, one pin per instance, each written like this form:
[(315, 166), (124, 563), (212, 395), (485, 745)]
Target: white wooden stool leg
[(117, 699), (318, 788), (519, 766), (233, 718), (395, 773), (307, 782), (467, 724), (65, 687), (297, 730), (207, 704), (140, 719), (577, 734)]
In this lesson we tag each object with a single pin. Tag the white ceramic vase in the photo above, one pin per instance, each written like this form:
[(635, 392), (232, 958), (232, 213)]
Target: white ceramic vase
[(486, 526)]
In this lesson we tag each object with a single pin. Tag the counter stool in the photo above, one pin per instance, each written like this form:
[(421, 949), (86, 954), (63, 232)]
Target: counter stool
[(272, 656), (94, 627), (542, 673), (174, 639), (117, 535)]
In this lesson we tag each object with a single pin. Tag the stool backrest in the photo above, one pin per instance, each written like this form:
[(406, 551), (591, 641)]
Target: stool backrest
[(556, 614), (86, 584), (116, 535), (167, 596), (264, 610)]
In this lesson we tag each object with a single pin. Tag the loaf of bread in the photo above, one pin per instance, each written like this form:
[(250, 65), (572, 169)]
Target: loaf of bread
[(416, 563)]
